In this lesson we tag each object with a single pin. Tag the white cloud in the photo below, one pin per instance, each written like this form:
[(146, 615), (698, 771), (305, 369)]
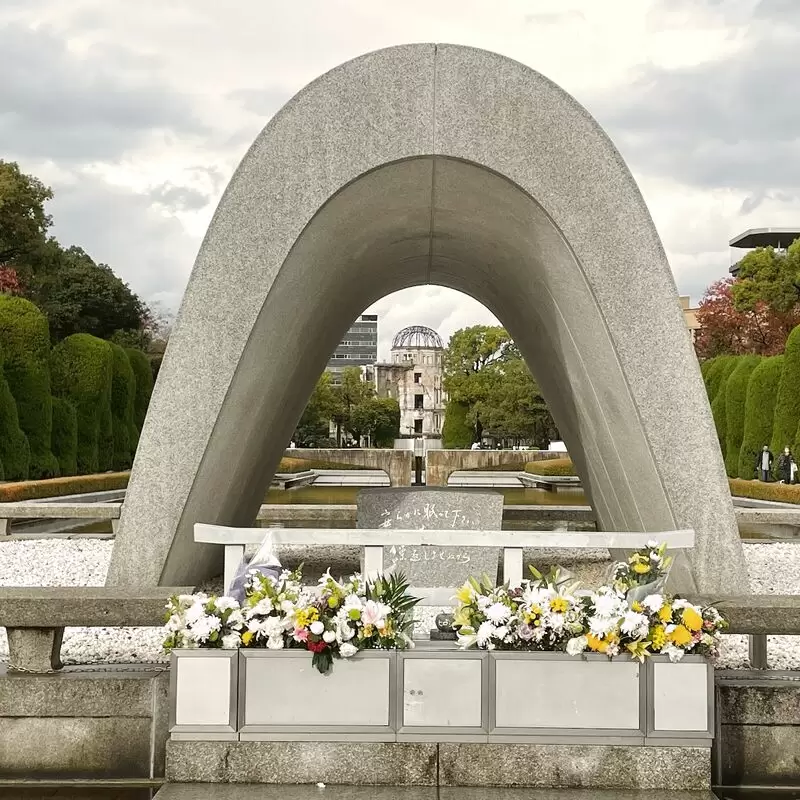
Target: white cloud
[(137, 113)]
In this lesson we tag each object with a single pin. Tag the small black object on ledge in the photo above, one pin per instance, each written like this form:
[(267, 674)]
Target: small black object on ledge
[(444, 631)]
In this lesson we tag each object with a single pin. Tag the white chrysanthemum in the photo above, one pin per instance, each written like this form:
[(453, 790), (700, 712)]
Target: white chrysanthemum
[(653, 603), (231, 641), (317, 627), (224, 603), (653, 544), (497, 613), (329, 637), (675, 653), (236, 618), (195, 611), (484, 633), (347, 650), (275, 643), (174, 623), (484, 602), (600, 626), (203, 628), (607, 604), (501, 633), (287, 606), (577, 645), (555, 621), (534, 596), (262, 608), (635, 624)]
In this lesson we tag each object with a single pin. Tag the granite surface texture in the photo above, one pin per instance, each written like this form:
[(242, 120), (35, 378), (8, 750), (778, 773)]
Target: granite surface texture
[(432, 509), (366, 763), (575, 766), (543, 224)]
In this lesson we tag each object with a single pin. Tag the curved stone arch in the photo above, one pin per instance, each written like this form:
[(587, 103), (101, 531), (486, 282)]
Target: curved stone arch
[(428, 164)]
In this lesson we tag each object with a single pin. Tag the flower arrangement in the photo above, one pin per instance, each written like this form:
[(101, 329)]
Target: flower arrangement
[(335, 619), (549, 614)]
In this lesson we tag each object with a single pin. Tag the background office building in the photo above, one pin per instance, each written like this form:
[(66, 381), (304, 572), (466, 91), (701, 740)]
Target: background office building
[(359, 348)]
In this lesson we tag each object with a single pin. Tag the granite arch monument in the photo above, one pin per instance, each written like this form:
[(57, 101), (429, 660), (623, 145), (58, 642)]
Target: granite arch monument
[(428, 164)]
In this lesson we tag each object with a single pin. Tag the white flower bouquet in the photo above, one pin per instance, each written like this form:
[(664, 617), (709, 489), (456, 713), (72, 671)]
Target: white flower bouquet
[(335, 619), (546, 614)]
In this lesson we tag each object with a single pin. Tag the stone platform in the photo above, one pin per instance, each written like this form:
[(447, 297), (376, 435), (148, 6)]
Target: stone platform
[(214, 791), (423, 764)]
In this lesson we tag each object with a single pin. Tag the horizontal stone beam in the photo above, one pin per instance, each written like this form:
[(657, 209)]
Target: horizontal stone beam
[(61, 607), (777, 615), (30, 510)]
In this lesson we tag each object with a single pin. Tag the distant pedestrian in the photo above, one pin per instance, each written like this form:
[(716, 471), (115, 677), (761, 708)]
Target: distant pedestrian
[(785, 466), (793, 471), (476, 446), (764, 463)]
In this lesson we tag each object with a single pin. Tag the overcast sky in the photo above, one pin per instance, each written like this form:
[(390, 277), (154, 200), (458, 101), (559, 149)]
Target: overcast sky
[(137, 113)]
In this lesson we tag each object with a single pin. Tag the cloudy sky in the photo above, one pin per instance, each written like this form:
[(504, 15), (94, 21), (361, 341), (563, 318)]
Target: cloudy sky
[(137, 113)]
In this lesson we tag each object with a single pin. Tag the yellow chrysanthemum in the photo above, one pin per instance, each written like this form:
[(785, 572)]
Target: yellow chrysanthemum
[(333, 601), (247, 637), (665, 614), (641, 568), (681, 636), (658, 637), (691, 619), (559, 605), (595, 644), (636, 606)]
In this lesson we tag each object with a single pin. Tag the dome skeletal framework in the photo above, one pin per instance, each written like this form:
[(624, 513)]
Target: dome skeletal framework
[(417, 336)]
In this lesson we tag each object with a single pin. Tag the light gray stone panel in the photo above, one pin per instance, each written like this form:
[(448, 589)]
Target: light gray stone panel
[(74, 694), (366, 763), (742, 703), (527, 206), (575, 766), (68, 748)]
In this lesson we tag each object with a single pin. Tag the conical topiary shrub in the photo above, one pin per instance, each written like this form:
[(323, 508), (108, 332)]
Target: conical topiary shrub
[(759, 413), (735, 398)]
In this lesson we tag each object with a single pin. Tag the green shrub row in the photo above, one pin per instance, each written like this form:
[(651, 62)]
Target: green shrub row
[(755, 402), (554, 466), (75, 409), (757, 490), (55, 487)]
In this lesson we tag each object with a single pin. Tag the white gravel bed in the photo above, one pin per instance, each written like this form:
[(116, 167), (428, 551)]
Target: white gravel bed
[(774, 569)]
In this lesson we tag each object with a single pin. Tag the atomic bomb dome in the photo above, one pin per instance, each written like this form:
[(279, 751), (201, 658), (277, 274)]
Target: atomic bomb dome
[(417, 337)]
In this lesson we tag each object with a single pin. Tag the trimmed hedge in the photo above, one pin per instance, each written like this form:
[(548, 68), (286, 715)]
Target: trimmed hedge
[(457, 433), (78, 484), (143, 375), (718, 404), (25, 339), (735, 398), (65, 436), (291, 465), (123, 396), (787, 404), (759, 413), (757, 490), (717, 373), (554, 466), (705, 368), (15, 454), (81, 368)]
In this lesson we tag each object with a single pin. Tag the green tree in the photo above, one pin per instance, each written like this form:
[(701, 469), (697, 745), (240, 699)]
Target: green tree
[(735, 400), (143, 375), (81, 369), (513, 408), (15, 453), (65, 436), (348, 395), (467, 356), (23, 221), (759, 412), (770, 277), (84, 297), (717, 373), (457, 431), (787, 404), (25, 340), (314, 424), (377, 418), (719, 403), (123, 396)]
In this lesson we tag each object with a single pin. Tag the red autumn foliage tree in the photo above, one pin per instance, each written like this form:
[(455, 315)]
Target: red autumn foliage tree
[(726, 330), (9, 282)]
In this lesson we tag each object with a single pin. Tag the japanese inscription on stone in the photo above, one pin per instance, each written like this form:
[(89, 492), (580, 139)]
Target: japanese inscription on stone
[(434, 509)]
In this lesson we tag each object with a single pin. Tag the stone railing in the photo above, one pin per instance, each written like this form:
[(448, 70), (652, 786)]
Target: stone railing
[(758, 616), (35, 617)]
